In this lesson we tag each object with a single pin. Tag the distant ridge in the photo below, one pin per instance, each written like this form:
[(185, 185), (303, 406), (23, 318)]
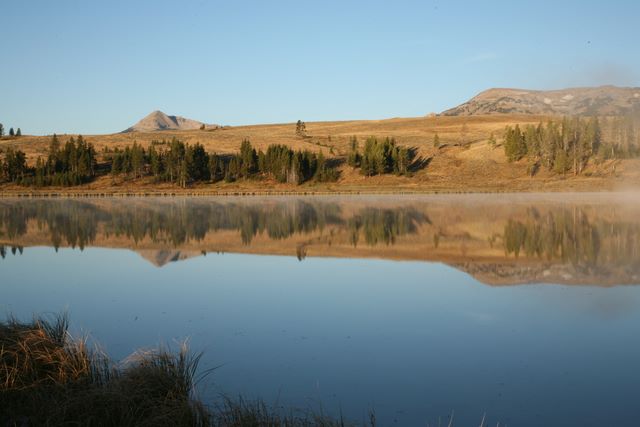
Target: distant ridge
[(586, 101), (158, 120)]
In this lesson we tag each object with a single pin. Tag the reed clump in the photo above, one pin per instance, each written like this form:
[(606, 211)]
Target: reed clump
[(240, 412), (47, 378)]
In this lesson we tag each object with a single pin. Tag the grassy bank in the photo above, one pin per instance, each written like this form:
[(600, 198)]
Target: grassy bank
[(464, 160), (47, 378), (377, 185)]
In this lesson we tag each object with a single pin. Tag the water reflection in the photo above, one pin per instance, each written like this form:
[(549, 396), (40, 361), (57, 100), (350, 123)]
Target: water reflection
[(499, 240), (571, 236)]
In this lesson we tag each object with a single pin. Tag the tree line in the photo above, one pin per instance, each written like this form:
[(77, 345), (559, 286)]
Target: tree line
[(379, 157), (12, 132), (173, 161), (166, 161), (568, 145), (14, 166), (184, 164), (71, 164)]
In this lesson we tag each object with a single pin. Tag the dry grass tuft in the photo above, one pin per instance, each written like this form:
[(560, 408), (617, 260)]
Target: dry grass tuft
[(240, 412), (47, 378)]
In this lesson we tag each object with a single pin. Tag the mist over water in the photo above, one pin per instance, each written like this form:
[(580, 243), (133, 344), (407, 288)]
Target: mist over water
[(406, 305), (500, 239)]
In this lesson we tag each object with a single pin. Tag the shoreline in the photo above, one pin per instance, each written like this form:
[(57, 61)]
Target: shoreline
[(96, 193), (75, 195)]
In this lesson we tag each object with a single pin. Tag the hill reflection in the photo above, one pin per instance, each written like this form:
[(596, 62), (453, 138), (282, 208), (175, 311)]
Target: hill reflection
[(582, 241)]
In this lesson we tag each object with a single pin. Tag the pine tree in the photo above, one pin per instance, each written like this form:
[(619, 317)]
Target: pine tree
[(353, 159), (197, 163), (40, 170), (514, 143), (436, 141), (301, 128), (531, 141), (1, 130), (232, 170), (320, 174), (548, 145), (18, 132), (380, 157), (15, 165), (492, 140), (54, 148), (216, 168), (183, 174), (116, 162), (173, 160), (562, 162), (248, 159), (294, 175), (367, 164), (401, 166), (11, 132), (155, 162), (262, 162)]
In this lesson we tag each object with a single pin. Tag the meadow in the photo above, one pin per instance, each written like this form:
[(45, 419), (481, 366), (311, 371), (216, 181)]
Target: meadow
[(463, 160)]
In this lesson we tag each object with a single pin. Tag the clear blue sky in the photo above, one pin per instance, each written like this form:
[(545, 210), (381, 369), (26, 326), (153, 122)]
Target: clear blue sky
[(97, 67)]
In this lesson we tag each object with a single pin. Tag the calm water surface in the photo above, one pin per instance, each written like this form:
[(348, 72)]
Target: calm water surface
[(525, 308)]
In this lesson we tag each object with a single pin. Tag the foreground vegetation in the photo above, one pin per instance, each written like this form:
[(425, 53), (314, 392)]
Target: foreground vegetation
[(47, 378)]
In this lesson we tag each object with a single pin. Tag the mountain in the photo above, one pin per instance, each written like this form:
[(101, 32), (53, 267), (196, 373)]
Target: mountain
[(587, 101), (161, 121), (162, 257)]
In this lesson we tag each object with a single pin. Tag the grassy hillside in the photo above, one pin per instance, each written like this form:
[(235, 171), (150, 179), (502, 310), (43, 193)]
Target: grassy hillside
[(463, 162)]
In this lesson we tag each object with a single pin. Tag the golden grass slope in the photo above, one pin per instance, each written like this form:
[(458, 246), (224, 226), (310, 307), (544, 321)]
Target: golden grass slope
[(463, 162)]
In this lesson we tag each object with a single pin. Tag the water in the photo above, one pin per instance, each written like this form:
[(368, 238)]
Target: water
[(521, 307)]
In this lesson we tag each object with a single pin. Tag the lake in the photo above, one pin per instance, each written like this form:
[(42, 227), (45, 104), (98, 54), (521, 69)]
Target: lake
[(521, 307)]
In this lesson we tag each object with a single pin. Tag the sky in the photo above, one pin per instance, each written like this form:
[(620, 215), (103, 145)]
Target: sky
[(99, 66)]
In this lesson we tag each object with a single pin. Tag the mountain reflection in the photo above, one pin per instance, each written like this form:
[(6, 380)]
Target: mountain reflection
[(555, 241)]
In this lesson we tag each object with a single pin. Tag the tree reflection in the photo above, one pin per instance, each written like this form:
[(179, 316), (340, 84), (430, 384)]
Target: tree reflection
[(570, 236), (384, 225), (77, 223)]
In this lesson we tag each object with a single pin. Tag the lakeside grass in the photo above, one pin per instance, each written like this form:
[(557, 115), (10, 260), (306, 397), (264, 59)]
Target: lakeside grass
[(48, 378), (576, 185)]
